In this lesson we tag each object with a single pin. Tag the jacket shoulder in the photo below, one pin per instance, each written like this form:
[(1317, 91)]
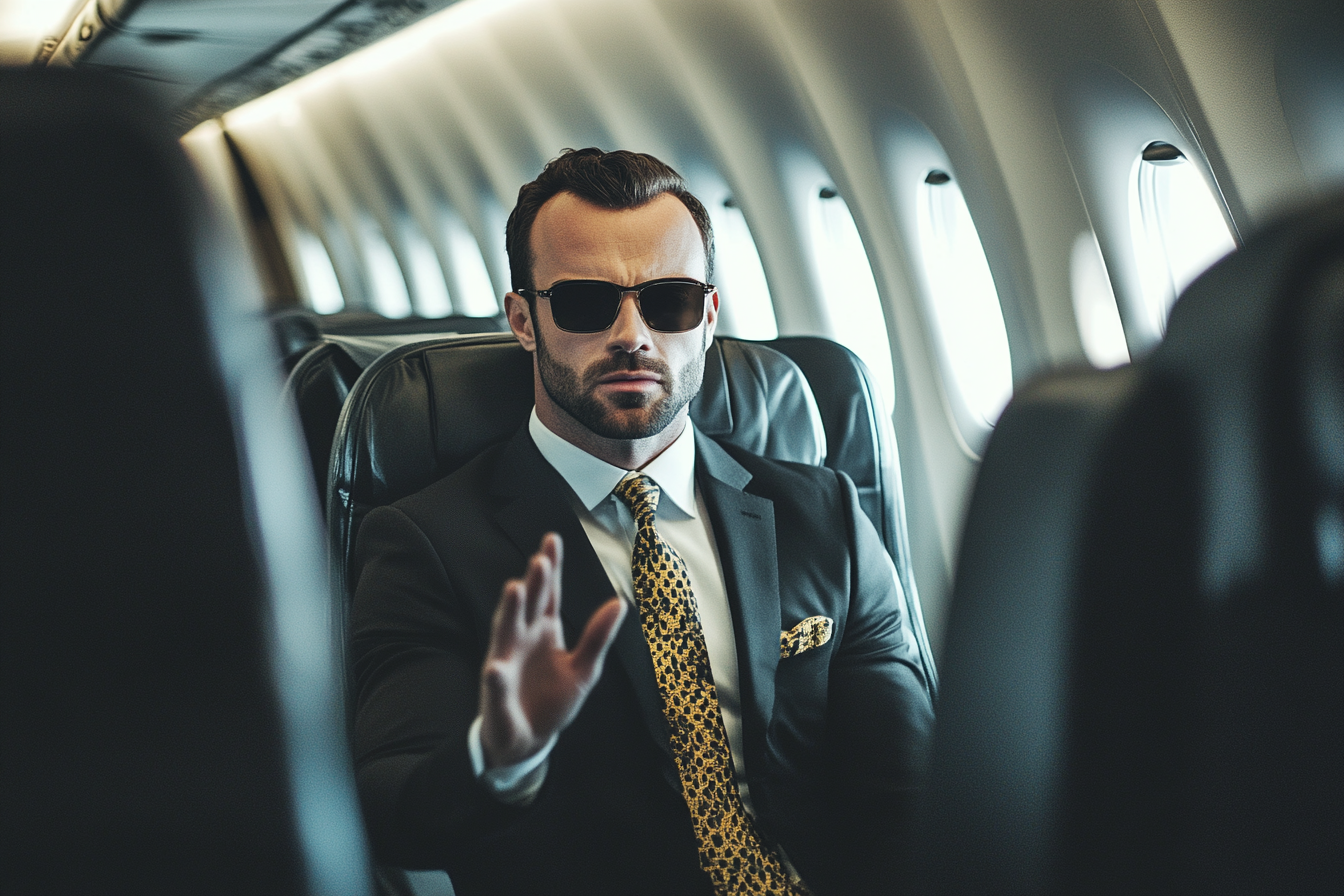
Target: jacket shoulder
[(781, 473), (465, 486)]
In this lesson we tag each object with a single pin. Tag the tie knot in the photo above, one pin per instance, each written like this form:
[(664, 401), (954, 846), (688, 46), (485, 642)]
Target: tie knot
[(639, 493)]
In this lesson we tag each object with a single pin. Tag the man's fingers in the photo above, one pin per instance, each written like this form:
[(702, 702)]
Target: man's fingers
[(596, 639), (553, 548), (537, 581), (507, 625)]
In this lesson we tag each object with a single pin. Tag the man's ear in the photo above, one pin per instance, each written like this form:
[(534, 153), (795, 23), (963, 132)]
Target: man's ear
[(519, 314), (711, 315)]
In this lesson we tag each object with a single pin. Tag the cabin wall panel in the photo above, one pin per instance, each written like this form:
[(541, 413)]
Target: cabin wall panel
[(209, 155), (507, 145), (1031, 257), (832, 54), (289, 176), (589, 62), (362, 164), (386, 126), (979, 168), (1221, 53), (459, 174)]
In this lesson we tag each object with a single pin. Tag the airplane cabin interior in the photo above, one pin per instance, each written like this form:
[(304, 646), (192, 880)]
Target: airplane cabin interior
[(1058, 286)]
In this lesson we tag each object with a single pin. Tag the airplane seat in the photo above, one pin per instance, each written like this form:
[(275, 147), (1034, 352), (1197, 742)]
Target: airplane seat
[(423, 410), (317, 387), (1218, 762), (1142, 688), (862, 443), (999, 743), (170, 701)]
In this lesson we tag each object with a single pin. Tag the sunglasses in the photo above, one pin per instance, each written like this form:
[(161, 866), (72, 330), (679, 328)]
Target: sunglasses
[(669, 305)]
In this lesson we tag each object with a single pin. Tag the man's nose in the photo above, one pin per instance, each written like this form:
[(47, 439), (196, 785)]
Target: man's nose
[(629, 333)]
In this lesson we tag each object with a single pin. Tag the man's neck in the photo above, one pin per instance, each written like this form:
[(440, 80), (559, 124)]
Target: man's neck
[(628, 454)]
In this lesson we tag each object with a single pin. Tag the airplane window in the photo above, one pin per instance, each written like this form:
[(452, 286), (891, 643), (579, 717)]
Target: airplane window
[(745, 308), (475, 293), (850, 291), (428, 285), (965, 302), (390, 297), (324, 290), (1094, 305), (1177, 227)]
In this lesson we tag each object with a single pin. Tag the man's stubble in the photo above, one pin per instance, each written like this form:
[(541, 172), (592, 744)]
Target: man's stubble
[(575, 393)]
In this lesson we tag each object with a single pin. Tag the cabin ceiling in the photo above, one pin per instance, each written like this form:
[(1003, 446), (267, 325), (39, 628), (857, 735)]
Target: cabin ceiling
[(210, 56)]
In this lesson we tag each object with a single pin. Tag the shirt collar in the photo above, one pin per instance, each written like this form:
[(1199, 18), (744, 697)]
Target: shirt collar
[(593, 478)]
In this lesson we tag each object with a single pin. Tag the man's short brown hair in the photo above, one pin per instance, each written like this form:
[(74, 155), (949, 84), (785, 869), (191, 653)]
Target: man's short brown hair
[(615, 180)]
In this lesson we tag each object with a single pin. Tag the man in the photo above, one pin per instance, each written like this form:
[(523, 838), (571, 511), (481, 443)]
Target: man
[(760, 721)]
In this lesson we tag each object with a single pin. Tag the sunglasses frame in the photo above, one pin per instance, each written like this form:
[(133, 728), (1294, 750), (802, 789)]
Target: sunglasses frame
[(622, 292)]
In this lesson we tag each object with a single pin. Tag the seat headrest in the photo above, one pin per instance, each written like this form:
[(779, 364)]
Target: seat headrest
[(758, 399), (427, 409), (1254, 344)]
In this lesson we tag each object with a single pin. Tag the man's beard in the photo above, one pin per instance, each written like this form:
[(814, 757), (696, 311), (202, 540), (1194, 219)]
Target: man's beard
[(635, 415)]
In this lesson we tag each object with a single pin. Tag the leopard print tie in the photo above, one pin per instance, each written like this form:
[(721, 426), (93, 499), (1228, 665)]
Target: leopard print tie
[(731, 851)]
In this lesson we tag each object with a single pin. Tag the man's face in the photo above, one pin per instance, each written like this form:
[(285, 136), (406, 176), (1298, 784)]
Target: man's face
[(628, 382)]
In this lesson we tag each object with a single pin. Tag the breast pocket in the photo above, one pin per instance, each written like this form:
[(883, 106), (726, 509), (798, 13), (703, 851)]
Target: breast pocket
[(812, 632), (801, 679)]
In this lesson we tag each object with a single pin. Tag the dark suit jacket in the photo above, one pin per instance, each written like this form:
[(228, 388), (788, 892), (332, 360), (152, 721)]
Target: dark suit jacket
[(834, 737)]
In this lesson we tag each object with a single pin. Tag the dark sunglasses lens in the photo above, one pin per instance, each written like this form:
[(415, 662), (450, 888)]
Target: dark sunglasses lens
[(584, 306), (672, 307)]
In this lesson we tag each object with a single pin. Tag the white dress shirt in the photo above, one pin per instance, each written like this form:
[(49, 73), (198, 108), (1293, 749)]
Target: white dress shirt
[(683, 523)]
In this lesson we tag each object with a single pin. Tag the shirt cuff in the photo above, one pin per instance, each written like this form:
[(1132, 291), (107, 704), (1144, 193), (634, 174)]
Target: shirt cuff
[(514, 785)]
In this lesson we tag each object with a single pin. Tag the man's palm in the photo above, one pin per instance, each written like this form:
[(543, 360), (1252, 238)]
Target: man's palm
[(531, 687)]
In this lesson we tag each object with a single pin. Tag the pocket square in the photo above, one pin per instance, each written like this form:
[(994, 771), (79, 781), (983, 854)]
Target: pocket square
[(813, 631)]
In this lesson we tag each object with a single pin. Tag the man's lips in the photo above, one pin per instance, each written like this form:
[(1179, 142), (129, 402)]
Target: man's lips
[(630, 379)]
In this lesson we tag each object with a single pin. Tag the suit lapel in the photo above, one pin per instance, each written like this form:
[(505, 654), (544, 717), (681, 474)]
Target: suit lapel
[(744, 526), (537, 501)]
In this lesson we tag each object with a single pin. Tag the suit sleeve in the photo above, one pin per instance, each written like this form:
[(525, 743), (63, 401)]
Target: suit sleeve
[(416, 656), (880, 715)]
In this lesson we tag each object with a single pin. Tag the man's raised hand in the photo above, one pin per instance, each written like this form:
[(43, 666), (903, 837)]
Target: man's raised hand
[(531, 687)]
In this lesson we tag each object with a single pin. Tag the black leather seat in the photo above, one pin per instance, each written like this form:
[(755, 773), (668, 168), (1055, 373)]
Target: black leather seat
[(171, 710), (1142, 686), (321, 379)]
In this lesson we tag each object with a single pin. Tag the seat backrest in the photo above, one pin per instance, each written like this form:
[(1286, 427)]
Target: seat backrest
[(1141, 688), (319, 382), (169, 693), (420, 412), (1000, 743)]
